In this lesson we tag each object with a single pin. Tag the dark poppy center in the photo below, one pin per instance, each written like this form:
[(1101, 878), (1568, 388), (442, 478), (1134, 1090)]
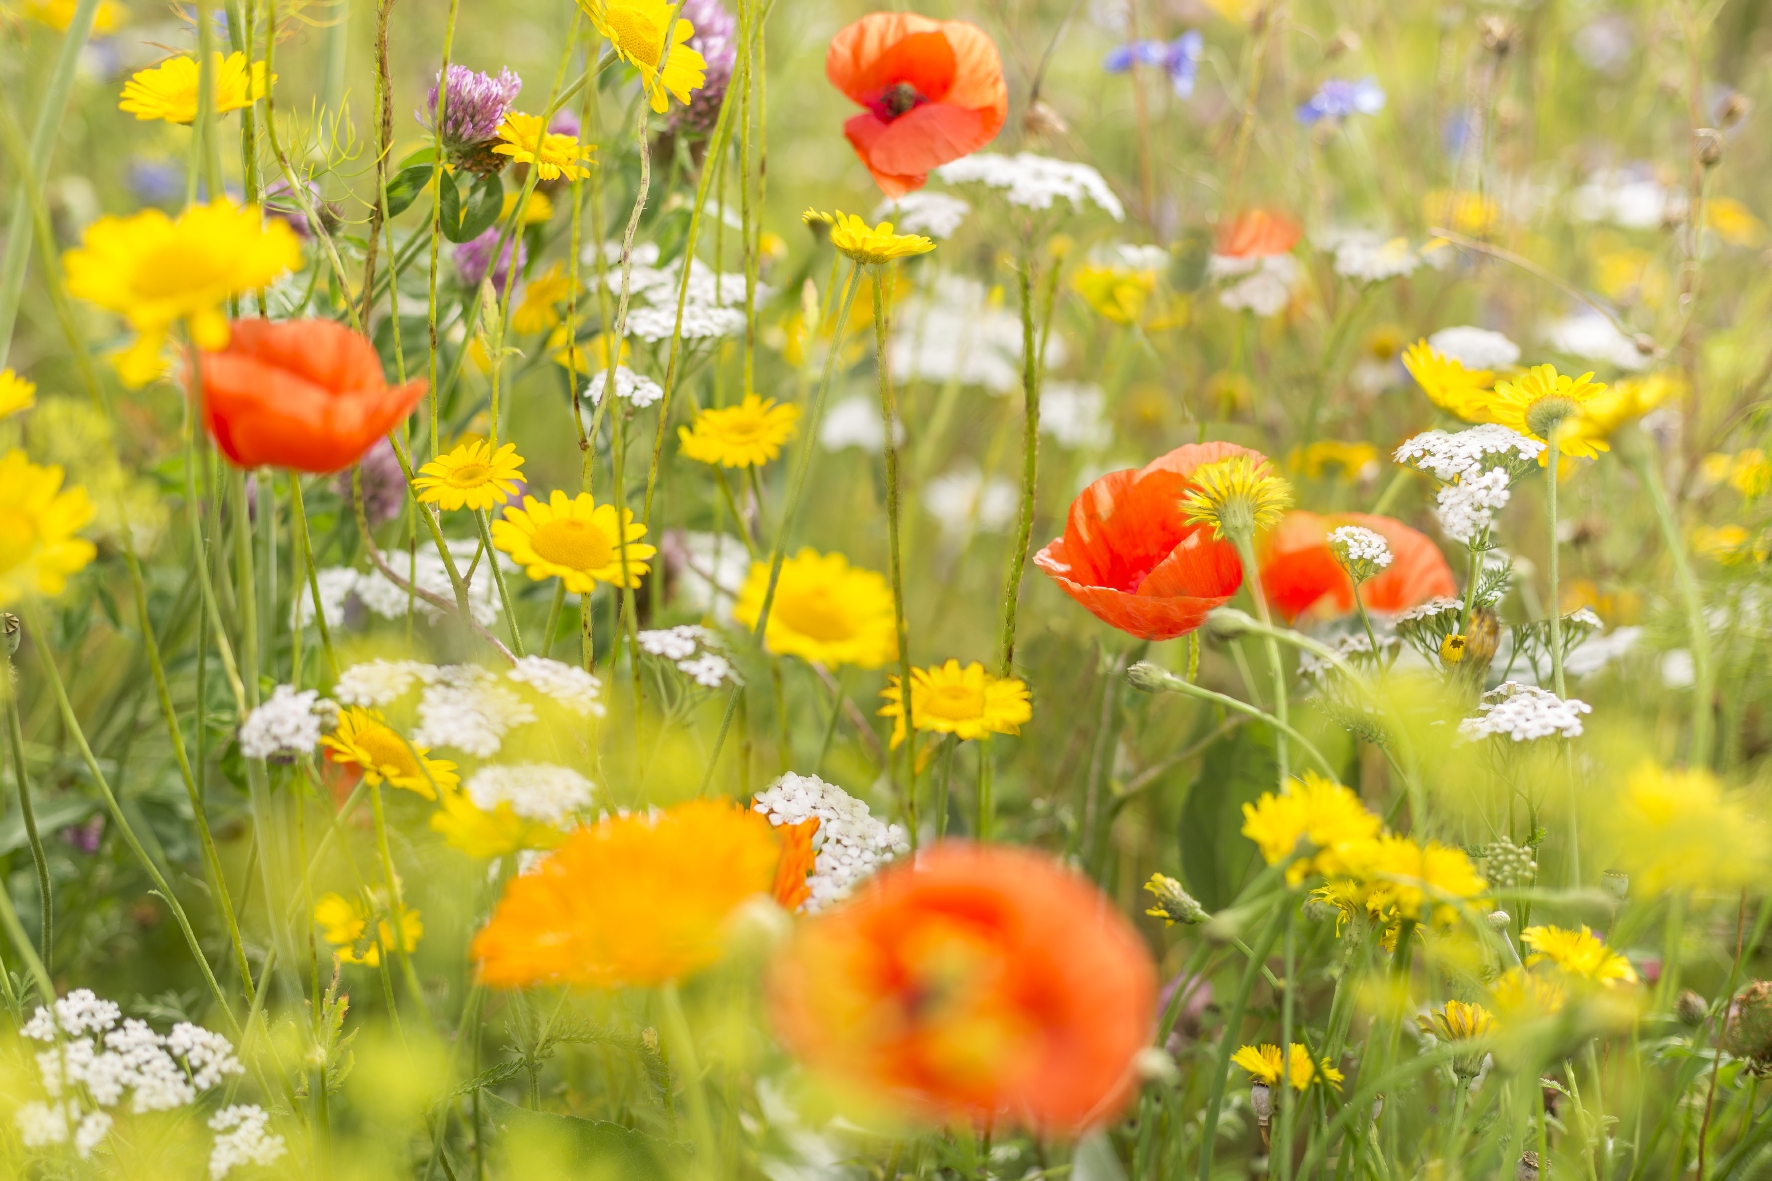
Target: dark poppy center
[(897, 99)]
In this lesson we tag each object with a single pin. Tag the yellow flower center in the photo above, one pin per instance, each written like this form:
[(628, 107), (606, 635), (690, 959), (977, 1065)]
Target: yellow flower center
[(955, 703), (742, 429), (636, 35), (470, 475), (817, 613), (387, 753), (574, 544)]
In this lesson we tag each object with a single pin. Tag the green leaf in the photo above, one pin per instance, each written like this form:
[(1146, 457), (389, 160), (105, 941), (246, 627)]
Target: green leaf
[(589, 1148), (1215, 855), (52, 814), (462, 222), (404, 189), (425, 156)]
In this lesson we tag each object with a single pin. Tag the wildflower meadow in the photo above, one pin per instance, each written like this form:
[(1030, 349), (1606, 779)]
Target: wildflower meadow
[(755, 590)]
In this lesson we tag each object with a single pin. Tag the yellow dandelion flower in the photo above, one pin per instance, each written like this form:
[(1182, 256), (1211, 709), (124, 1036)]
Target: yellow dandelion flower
[(749, 434), (575, 540), (825, 611), (635, 900), (169, 90), (1728, 544), (17, 395), (1446, 382), (343, 923), (1520, 994), (1414, 878), (471, 476), (538, 211), (636, 31), (485, 835), (1116, 293), (1327, 815), (59, 14), (853, 237), (1263, 1064), (155, 272), (537, 311), (965, 702), (1580, 954), (363, 740), (1675, 829), (1236, 497), (1537, 403), (1623, 402), (1455, 1022), (528, 141), (38, 520)]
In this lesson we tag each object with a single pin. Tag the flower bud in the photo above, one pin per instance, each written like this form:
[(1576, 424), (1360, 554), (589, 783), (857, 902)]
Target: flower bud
[(1707, 142), (1499, 919), (1499, 34), (1262, 1100), (1228, 623), (1173, 904), (1748, 1032), (1148, 678), (1734, 109), (1690, 1008)]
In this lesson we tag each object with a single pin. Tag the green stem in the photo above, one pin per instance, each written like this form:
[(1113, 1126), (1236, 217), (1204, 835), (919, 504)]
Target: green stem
[(1227, 1044), (16, 737), (1154, 678), (1556, 602), (895, 564), (1030, 461), (1252, 579), (498, 579), (676, 1029)]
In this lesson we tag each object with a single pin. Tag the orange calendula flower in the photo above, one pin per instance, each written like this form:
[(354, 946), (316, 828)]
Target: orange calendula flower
[(980, 982), (634, 901), (798, 857)]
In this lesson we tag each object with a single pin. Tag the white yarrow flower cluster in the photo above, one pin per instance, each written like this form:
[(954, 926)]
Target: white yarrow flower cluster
[(287, 725), (242, 1140), (1266, 287), (710, 569), (1524, 713), (1449, 457), (376, 683), (1074, 413), (567, 684), (1468, 507), (379, 595), (1592, 337), (959, 332), (336, 584), (1428, 610), (1359, 548), (466, 708), (1346, 645), (1034, 182), (713, 306), (851, 845), (963, 500), (855, 422), (535, 791), (1372, 258), (680, 646), (1475, 348), (629, 386), (935, 214)]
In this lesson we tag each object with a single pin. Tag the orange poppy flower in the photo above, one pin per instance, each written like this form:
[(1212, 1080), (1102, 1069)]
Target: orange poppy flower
[(1300, 574), (1257, 233), (933, 91), (1129, 557), (303, 394), (980, 982)]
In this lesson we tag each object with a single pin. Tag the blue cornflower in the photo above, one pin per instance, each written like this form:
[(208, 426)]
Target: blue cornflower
[(1338, 98), (1180, 59)]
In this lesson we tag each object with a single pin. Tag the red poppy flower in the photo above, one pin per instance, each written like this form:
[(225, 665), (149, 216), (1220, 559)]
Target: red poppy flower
[(933, 91), (978, 982), (1128, 556), (302, 394), (1300, 574), (1257, 234)]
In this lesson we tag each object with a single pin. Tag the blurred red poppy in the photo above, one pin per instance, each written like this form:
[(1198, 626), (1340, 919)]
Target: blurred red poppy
[(979, 982), (302, 394), (1256, 234), (1128, 556), (1300, 574), (933, 91)]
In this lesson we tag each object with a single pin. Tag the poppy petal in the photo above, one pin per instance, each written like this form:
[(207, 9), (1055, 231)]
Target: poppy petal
[(929, 136)]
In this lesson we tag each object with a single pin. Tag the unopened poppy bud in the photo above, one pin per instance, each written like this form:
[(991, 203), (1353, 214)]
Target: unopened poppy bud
[(1482, 638), (1041, 120), (1690, 1008), (1148, 678), (1228, 623), (1707, 142), (1499, 919)]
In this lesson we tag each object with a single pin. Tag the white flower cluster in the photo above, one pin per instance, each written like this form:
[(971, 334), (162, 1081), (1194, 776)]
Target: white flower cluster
[(1348, 644), (1628, 197), (629, 386), (93, 1063), (1074, 413), (963, 500), (535, 791), (242, 1140), (1266, 287), (1448, 457), (1592, 337), (855, 422), (1475, 348), (287, 725), (378, 595), (377, 683), (1469, 506), (569, 685), (680, 645), (1034, 182), (1373, 258), (713, 306), (465, 707), (1523, 713), (935, 214), (961, 333), (1428, 610), (1356, 545), (701, 321), (851, 844)]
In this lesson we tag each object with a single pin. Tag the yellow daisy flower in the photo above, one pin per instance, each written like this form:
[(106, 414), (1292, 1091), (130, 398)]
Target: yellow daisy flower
[(536, 311), (749, 434), (1462, 210), (573, 539), (17, 395), (965, 702), (528, 141), (1116, 293), (1728, 544), (155, 272), (1236, 497), (636, 31), (484, 835), (1537, 403), (363, 740), (38, 549), (169, 90), (343, 921), (1581, 954), (1446, 382), (852, 236), (1263, 1064), (59, 14), (1328, 815), (825, 611), (471, 476), (1623, 402), (1674, 828)]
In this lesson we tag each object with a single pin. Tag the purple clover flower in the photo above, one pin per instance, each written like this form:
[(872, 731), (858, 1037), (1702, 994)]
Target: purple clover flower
[(473, 258), (384, 484), (564, 123), (716, 39), (475, 106), (1180, 59), (1338, 98)]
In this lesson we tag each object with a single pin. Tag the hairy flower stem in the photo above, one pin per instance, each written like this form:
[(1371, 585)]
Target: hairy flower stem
[(1556, 602), (436, 235), (1288, 1098), (299, 523), (1152, 678), (1233, 1033), (1252, 579), (498, 579), (895, 558), (15, 737), (1030, 461)]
